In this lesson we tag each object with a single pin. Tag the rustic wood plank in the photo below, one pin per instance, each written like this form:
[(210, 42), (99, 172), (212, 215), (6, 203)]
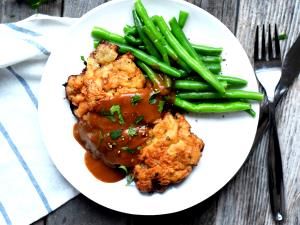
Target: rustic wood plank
[(245, 199), (81, 210), (224, 10), (12, 11), (78, 8), (201, 214)]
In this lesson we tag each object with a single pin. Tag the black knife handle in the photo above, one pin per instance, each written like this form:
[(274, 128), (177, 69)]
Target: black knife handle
[(275, 172)]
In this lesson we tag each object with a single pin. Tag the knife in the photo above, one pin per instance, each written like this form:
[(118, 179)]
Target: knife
[(290, 71)]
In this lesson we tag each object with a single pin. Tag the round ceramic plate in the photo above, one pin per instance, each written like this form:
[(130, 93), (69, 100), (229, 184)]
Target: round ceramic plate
[(228, 137)]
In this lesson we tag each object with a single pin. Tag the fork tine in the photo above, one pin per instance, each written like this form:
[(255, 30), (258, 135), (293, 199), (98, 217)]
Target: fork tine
[(270, 48), (277, 45), (263, 44), (256, 44)]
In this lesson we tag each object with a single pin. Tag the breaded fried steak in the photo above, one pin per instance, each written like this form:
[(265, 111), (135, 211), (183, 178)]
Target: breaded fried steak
[(169, 156), (122, 123), (105, 76)]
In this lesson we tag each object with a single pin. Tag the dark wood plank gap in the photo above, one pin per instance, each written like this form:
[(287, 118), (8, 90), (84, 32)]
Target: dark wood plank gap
[(237, 16)]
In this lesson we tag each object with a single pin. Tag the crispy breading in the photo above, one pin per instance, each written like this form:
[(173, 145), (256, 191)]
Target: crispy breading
[(169, 155), (105, 76)]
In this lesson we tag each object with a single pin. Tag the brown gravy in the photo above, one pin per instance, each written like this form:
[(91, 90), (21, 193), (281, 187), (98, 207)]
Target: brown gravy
[(113, 140), (102, 171)]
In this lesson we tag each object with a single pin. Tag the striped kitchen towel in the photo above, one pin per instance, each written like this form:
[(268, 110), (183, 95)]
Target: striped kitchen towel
[(30, 185)]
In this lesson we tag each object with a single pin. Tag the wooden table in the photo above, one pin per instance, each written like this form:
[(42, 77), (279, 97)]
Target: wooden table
[(245, 199)]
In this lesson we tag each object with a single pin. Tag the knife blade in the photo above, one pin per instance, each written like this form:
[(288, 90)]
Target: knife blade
[(290, 71)]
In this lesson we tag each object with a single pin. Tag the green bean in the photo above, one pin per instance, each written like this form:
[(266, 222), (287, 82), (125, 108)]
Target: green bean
[(150, 73), (251, 112), (130, 30), (211, 58), (151, 61), (148, 44), (183, 15), (100, 33), (195, 85), (141, 11), (211, 107), (196, 65), (231, 94), (231, 81), (168, 81), (133, 40), (213, 67), (96, 43), (159, 46), (207, 50), (142, 47), (182, 39)]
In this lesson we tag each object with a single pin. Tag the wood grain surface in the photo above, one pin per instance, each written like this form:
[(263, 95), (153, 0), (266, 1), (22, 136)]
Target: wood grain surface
[(244, 200)]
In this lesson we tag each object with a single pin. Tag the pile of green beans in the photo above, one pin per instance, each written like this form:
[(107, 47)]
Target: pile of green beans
[(168, 59)]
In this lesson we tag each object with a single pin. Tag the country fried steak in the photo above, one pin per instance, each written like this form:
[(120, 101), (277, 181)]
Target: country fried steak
[(105, 76), (169, 156), (121, 121)]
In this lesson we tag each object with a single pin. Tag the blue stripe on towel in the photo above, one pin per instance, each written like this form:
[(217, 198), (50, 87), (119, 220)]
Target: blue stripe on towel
[(25, 85), (4, 214), (25, 167), (38, 46), (22, 29)]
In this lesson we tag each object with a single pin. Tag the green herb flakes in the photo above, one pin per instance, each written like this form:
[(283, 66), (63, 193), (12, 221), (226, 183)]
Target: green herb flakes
[(152, 99), (129, 179), (161, 106), (117, 109), (132, 131), (123, 168), (138, 119), (135, 99), (115, 134), (127, 149)]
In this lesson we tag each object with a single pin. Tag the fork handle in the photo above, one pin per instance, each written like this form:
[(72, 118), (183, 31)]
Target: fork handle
[(275, 173)]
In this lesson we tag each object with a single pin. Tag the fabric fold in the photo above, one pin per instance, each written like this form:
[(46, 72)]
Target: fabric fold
[(31, 187)]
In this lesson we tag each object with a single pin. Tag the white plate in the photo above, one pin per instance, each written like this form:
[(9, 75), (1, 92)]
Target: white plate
[(228, 138)]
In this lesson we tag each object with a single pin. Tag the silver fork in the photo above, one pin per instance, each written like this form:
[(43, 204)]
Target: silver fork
[(268, 73)]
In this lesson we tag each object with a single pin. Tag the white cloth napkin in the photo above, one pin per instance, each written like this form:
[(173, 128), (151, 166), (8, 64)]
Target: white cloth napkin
[(30, 185)]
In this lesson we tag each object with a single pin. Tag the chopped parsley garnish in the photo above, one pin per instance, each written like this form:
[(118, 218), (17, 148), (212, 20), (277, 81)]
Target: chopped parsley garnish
[(136, 99), (132, 131), (138, 119), (117, 109), (127, 149), (108, 115), (161, 106), (124, 168), (282, 36), (35, 4), (83, 60), (129, 179), (115, 134), (152, 99)]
